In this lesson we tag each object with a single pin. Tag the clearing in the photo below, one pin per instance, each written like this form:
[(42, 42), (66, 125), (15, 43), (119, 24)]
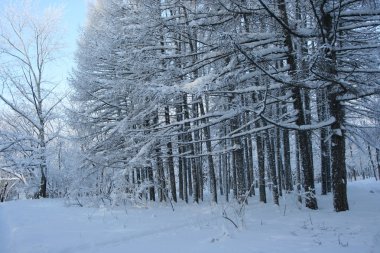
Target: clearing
[(49, 226)]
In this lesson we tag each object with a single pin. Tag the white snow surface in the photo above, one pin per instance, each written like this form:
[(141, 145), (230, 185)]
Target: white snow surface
[(50, 226)]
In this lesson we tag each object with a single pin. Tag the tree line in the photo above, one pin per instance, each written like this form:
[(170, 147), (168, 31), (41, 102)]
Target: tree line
[(185, 100), (180, 97)]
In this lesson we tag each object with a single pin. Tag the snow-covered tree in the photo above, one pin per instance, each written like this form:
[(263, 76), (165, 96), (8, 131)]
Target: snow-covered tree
[(184, 91), (30, 44)]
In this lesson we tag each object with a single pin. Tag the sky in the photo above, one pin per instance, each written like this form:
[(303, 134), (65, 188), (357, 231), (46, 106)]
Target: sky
[(74, 16)]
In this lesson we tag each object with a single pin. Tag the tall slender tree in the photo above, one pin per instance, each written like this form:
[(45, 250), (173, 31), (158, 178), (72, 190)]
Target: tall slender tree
[(29, 45)]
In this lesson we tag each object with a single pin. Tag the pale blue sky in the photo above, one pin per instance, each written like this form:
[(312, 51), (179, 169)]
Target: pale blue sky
[(74, 17)]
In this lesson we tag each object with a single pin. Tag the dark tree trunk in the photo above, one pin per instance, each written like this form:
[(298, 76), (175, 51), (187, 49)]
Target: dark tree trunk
[(3, 194), (169, 146), (261, 165), (372, 162), (306, 154), (338, 149), (190, 166), (192, 175), (272, 166), (307, 116), (211, 168), (325, 161), (226, 170), (180, 173), (287, 164), (197, 147), (43, 183), (308, 172), (194, 178), (279, 163), (288, 178), (234, 174), (43, 164), (248, 168), (325, 143), (248, 151), (250, 171), (160, 175), (238, 162), (220, 175), (185, 180), (160, 166), (181, 159), (378, 161), (298, 169), (152, 196)]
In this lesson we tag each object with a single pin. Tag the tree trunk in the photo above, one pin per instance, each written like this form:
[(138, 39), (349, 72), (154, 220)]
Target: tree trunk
[(220, 175), (152, 196), (185, 180), (43, 163), (160, 166), (286, 151), (169, 146), (325, 143), (248, 151), (261, 165), (238, 162), (181, 159), (197, 149), (287, 164), (211, 168), (306, 154), (338, 149), (250, 171), (272, 166), (372, 162), (378, 161), (298, 168), (43, 183), (307, 116), (226, 171), (279, 163), (192, 175)]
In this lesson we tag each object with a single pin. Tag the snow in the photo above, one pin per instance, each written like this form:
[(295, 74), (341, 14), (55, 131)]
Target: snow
[(199, 84), (49, 226)]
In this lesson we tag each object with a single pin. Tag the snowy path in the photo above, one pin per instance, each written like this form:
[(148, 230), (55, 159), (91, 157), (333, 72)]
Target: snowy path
[(47, 226)]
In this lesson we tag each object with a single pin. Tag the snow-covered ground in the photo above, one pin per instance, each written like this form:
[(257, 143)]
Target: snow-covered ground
[(49, 226)]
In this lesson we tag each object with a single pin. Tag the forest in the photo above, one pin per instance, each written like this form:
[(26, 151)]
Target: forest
[(193, 101)]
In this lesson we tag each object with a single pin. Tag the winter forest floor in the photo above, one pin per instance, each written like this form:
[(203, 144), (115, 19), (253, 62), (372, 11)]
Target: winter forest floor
[(49, 226)]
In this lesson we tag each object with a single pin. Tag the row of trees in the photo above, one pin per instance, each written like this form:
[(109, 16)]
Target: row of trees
[(176, 97)]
